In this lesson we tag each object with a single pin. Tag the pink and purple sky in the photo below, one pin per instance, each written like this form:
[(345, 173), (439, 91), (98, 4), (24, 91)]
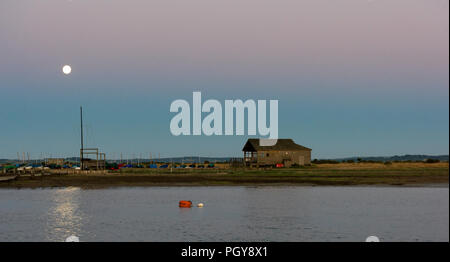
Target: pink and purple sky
[(353, 77)]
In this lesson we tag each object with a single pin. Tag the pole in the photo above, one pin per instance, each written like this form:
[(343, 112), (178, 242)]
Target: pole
[(81, 151)]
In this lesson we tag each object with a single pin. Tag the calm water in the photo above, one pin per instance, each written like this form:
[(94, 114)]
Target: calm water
[(229, 214)]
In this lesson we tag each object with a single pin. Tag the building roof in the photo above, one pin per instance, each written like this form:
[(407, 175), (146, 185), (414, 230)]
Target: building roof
[(252, 145)]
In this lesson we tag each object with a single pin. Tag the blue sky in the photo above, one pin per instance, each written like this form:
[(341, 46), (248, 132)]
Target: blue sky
[(352, 78)]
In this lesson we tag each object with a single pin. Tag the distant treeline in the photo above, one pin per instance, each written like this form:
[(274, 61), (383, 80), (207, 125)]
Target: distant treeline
[(360, 160), (396, 158)]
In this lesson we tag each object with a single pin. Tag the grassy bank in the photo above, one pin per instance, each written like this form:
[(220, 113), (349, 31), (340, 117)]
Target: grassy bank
[(398, 174)]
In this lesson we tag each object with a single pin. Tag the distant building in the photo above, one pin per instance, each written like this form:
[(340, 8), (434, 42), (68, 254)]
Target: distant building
[(284, 152), (55, 161)]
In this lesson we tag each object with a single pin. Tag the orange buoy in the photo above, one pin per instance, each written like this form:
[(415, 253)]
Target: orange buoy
[(185, 203)]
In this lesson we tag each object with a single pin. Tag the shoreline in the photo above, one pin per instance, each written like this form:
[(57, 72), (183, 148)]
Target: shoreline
[(337, 175), (168, 185)]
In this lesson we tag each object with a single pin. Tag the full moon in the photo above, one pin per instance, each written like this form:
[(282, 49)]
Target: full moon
[(66, 69)]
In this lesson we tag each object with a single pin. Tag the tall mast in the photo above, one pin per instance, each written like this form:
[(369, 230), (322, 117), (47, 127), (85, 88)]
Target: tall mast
[(81, 151)]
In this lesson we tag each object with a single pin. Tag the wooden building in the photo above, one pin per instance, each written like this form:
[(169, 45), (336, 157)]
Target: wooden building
[(285, 152), (98, 163), (94, 164)]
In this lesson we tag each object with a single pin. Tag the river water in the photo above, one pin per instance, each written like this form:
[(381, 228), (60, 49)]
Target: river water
[(229, 214)]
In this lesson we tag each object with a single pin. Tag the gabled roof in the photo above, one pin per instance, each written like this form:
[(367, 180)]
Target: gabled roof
[(252, 145)]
